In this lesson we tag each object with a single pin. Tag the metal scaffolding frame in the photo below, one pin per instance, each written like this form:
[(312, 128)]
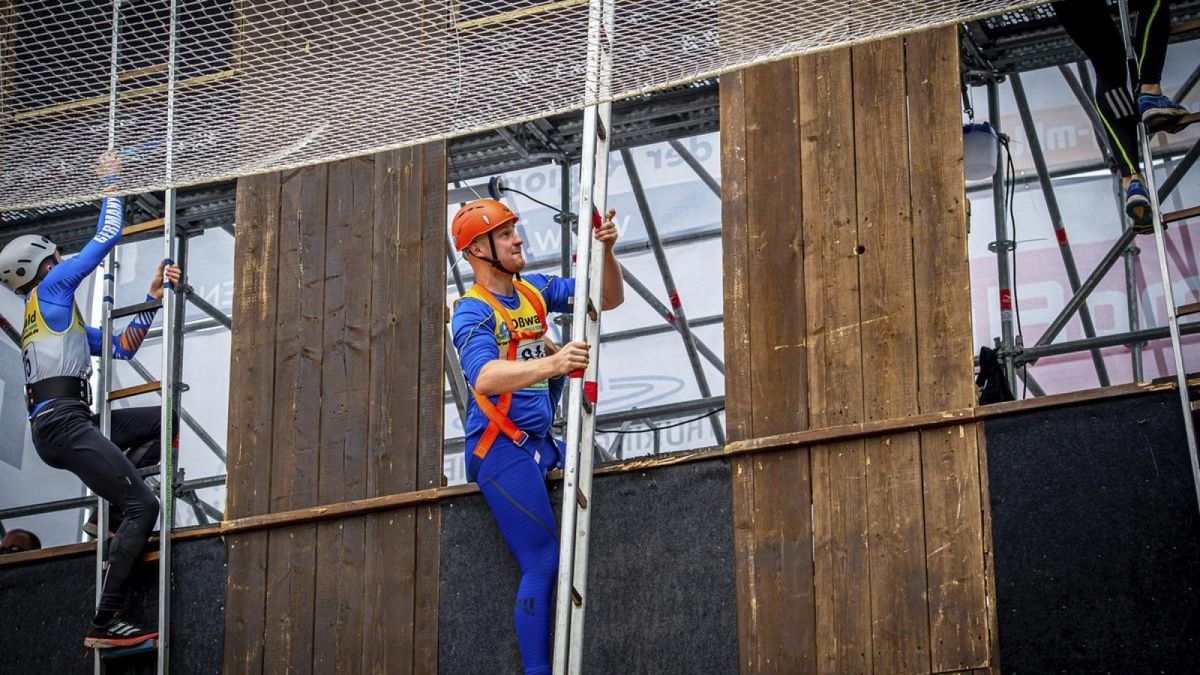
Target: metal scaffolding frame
[(1012, 352)]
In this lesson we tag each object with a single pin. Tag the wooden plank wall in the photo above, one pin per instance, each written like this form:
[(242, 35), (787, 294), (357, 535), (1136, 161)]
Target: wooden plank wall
[(847, 300), (336, 395)]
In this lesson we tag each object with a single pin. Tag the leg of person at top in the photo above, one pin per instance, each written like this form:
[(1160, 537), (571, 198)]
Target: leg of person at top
[(66, 438), (515, 489), (1158, 112), (1088, 24), (1086, 21)]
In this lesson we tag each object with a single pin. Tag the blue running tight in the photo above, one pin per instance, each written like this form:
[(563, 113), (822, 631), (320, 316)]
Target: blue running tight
[(515, 489)]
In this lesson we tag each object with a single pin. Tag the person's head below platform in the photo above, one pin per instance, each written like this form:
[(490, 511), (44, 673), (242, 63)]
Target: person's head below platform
[(19, 540), (485, 230), (26, 260)]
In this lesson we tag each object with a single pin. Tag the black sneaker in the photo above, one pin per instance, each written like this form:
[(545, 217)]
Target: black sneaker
[(117, 633)]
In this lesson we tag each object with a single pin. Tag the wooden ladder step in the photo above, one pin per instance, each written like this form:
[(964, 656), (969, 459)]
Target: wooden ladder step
[(1190, 308), (118, 394), (1174, 216), (1195, 405), (1185, 27), (130, 230)]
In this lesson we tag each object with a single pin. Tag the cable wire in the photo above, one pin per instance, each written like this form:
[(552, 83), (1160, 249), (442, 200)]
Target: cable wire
[(532, 199), (665, 426)]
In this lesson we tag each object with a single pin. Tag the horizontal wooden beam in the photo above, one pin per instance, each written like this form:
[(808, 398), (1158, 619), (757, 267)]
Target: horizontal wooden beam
[(794, 440), (518, 13), (156, 224), (123, 96), (89, 548)]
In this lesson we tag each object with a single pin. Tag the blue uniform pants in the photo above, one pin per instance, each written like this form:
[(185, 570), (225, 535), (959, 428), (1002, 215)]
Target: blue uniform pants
[(514, 485)]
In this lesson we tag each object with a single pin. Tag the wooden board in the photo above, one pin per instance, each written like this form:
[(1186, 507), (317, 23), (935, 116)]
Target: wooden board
[(294, 465), (392, 466), (957, 597), (251, 403), (430, 465), (735, 238), (989, 558), (835, 379), (338, 605), (431, 302), (899, 625), (738, 400), (775, 251), (771, 498)]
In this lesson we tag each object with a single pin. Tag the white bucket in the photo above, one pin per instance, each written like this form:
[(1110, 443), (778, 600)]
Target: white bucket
[(979, 151)]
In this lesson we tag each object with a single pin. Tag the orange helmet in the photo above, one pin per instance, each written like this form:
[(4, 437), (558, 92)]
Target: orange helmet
[(479, 217)]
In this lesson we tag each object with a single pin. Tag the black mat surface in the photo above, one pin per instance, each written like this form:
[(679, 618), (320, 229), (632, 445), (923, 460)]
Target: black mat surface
[(45, 610), (1097, 539), (660, 582)]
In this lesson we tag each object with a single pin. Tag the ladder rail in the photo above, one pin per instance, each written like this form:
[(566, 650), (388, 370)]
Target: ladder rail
[(104, 379), (593, 171), (171, 344), (583, 500), (1160, 243), (167, 464)]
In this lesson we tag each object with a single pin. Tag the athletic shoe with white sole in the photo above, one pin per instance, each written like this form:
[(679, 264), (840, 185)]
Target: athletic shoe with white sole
[(1160, 113), (117, 633)]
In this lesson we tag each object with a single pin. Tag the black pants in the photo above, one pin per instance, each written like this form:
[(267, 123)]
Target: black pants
[(1089, 25), (66, 437)]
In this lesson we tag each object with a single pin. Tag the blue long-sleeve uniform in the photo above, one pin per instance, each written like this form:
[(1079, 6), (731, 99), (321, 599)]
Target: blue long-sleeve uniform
[(56, 292)]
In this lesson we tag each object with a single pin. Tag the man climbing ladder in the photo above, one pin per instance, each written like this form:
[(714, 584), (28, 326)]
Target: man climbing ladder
[(515, 375), (56, 348)]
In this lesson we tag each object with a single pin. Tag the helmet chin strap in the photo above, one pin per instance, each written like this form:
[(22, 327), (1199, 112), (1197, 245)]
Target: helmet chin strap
[(494, 261)]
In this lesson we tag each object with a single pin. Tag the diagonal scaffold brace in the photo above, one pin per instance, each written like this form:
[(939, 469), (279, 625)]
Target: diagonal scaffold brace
[(571, 599)]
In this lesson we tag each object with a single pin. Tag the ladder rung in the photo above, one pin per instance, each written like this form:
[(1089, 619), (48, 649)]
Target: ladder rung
[(118, 394), (139, 228), (1185, 27), (147, 471), (130, 310), (1174, 216), (1190, 308)]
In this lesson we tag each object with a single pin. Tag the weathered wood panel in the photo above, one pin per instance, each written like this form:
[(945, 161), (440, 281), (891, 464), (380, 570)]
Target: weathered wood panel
[(845, 244), (843, 621), (773, 530), (899, 626), (345, 365), (953, 521), (349, 346), (295, 452), (390, 573), (251, 403), (430, 465)]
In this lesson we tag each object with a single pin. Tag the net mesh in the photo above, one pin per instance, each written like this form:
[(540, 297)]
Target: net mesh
[(269, 84)]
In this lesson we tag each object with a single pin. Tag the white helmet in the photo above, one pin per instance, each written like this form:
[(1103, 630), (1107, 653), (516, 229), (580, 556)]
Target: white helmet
[(21, 258)]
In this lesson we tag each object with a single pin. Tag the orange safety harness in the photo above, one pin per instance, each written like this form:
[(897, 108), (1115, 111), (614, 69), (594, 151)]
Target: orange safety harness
[(497, 414)]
